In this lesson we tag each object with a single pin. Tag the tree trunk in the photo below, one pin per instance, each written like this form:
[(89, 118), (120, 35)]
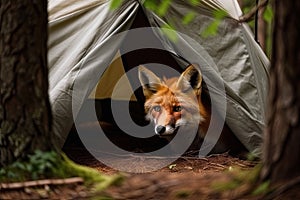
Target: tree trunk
[(25, 117), (281, 156), (262, 29)]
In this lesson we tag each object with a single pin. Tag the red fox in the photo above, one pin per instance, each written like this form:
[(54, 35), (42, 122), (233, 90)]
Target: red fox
[(176, 102)]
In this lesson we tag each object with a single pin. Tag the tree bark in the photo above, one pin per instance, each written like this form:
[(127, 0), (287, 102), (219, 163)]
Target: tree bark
[(25, 116), (262, 29), (281, 156)]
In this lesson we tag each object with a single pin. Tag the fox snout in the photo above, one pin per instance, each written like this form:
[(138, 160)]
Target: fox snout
[(164, 121), (159, 129), (166, 118), (164, 130)]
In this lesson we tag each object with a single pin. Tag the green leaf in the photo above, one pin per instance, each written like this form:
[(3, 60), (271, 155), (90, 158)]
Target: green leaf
[(195, 2), (211, 30), (150, 4), (220, 14), (115, 4), (163, 7), (170, 32), (19, 166), (188, 18)]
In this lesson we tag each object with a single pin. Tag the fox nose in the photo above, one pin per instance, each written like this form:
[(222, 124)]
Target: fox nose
[(160, 129)]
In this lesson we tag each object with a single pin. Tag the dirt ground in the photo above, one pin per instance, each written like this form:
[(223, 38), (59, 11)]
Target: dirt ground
[(188, 177), (185, 178)]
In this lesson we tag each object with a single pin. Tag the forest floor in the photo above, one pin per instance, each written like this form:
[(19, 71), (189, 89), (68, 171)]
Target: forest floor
[(185, 178), (214, 177)]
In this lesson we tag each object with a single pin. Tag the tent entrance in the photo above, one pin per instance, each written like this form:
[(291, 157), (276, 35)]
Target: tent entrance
[(101, 95)]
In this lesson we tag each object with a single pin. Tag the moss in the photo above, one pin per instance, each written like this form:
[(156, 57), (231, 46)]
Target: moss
[(224, 186), (238, 178), (91, 176), (263, 188), (41, 165)]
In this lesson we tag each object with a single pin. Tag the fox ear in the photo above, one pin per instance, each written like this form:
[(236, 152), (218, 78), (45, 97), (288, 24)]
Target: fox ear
[(149, 81), (190, 78)]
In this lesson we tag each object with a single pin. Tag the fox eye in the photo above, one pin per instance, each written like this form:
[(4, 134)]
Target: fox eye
[(157, 108), (177, 108)]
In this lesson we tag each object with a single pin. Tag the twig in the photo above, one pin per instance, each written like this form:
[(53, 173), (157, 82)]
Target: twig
[(19, 185), (248, 16), (193, 158), (226, 154), (218, 165), (241, 165)]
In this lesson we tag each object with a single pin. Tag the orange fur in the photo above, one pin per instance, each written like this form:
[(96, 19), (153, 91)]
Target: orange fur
[(183, 93), (176, 102)]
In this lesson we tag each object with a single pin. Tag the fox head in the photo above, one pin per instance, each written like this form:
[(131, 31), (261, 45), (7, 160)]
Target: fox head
[(173, 103)]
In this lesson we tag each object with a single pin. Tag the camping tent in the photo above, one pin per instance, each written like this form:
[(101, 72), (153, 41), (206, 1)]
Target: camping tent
[(86, 40)]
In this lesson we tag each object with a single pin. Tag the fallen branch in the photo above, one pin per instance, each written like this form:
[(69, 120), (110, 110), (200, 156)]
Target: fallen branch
[(19, 185)]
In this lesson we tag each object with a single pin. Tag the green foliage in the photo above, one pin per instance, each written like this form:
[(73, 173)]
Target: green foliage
[(43, 165), (268, 17), (245, 182), (115, 4), (160, 9), (188, 18), (211, 29), (262, 188), (239, 178), (220, 14), (268, 14), (226, 186), (39, 165), (247, 6), (194, 2), (150, 4), (163, 7), (170, 32)]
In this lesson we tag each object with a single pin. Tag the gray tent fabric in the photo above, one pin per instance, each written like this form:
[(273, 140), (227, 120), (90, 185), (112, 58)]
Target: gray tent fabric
[(240, 61), (83, 40), (74, 36)]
